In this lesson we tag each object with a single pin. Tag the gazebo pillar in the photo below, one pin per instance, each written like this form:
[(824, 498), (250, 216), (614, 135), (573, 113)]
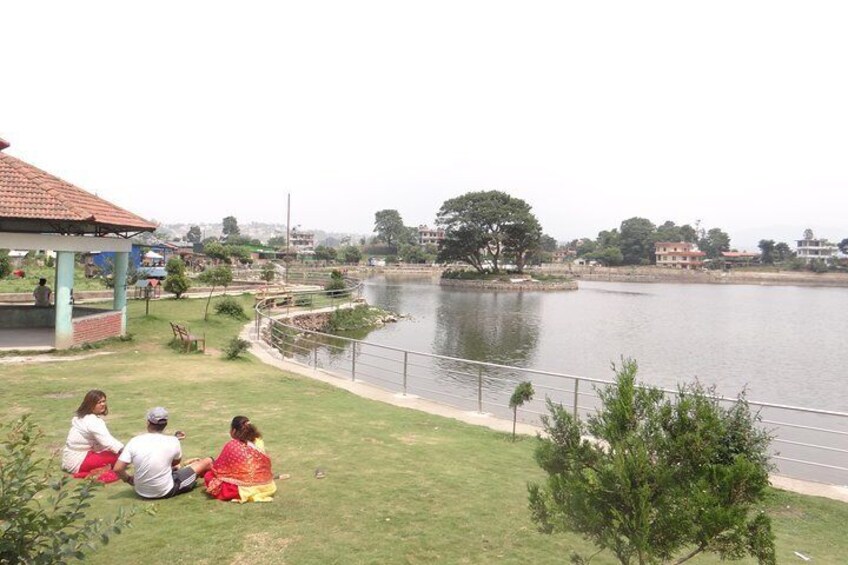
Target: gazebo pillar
[(62, 294), (120, 290)]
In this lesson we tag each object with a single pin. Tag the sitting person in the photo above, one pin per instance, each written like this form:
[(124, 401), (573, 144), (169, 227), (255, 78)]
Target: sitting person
[(42, 294), (90, 450), (156, 458), (242, 472)]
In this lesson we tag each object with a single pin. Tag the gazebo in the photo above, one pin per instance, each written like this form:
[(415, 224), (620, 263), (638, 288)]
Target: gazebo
[(39, 211)]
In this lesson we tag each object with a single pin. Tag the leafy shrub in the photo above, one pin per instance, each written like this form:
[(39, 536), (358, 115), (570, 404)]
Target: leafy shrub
[(335, 284), (5, 267), (664, 476), (231, 307), (43, 518), (303, 300), (235, 347), (177, 284)]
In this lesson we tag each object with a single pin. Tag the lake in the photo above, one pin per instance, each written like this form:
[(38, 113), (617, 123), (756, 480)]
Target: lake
[(785, 344)]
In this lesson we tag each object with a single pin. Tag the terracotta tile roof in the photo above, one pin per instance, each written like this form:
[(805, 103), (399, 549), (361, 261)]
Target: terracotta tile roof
[(29, 194)]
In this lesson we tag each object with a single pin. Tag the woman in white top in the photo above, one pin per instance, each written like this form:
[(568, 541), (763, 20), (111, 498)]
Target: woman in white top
[(90, 449)]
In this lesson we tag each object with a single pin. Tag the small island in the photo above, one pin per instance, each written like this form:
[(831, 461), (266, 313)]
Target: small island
[(496, 235), (521, 282)]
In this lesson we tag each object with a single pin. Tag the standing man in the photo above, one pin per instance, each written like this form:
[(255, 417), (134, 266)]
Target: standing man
[(42, 294), (156, 458)]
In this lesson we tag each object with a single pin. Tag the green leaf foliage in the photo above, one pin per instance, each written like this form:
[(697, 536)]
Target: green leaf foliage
[(485, 228), (235, 347), (43, 519), (661, 479), (229, 306)]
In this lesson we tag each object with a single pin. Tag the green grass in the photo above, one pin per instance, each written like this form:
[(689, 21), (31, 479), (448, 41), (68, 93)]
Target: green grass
[(34, 272), (401, 487)]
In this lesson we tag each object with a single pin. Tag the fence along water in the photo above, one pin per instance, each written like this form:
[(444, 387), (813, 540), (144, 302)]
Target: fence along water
[(809, 444)]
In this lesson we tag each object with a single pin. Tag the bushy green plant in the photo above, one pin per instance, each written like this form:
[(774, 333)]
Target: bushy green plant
[(523, 393), (43, 518), (215, 276), (229, 306), (662, 479), (5, 267), (335, 284), (176, 282), (235, 347), (269, 273), (303, 300)]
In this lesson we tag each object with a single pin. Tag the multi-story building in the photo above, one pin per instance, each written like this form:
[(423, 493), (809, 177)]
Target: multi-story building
[(811, 248), (427, 236), (678, 254), (302, 241)]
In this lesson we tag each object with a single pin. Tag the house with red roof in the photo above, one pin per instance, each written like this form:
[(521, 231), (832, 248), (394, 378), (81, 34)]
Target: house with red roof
[(39, 211), (678, 255)]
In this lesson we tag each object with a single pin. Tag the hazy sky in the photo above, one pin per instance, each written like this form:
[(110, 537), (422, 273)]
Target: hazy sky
[(733, 113)]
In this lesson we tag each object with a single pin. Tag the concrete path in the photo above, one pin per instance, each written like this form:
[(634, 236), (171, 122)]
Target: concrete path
[(273, 357)]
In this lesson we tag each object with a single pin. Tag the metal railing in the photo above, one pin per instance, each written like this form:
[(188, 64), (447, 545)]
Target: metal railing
[(808, 444)]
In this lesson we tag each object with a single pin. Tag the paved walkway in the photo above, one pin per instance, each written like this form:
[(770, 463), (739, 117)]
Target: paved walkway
[(270, 356)]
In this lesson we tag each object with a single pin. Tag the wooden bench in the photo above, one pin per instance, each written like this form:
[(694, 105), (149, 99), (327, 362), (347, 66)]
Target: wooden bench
[(187, 339)]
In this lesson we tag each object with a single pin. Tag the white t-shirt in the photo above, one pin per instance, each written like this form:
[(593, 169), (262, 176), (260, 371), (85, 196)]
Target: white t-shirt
[(88, 433), (151, 455), (42, 295)]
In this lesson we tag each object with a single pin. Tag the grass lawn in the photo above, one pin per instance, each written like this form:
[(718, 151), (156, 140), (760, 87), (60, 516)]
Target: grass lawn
[(401, 486), (35, 272)]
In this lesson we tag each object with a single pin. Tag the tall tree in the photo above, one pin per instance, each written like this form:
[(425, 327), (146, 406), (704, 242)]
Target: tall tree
[(215, 276), (668, 231), (194, 235), (231, 226), (637, 241), (783, 252), (388, 225), (482, 227), (523, 239), (766, 251), (688, 234), (714, 242), (663, 479), (843, 246), (277, 241)]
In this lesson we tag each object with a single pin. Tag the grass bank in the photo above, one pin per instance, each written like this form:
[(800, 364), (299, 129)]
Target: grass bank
[(401, 486)]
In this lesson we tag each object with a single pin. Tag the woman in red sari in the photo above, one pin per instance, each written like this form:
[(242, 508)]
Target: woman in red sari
[(242, 472)]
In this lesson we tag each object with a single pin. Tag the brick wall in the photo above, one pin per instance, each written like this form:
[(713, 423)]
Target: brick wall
[(97, 327)]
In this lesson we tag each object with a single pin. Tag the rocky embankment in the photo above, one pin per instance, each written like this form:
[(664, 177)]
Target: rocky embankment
[(521, 285), (667, 275), (369, 317)]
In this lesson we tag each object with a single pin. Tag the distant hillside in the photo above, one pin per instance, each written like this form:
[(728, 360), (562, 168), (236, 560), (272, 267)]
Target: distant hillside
[(261, 231)]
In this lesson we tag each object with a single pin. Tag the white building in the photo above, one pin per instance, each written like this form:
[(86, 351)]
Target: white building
[(302, 241), (427, 236), (678, 254), (811, 248)]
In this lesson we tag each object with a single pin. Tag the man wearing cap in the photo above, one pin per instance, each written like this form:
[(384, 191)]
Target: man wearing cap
[(156, 457)]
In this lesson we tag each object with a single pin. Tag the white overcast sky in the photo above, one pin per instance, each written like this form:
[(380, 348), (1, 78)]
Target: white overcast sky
[(733, 113)]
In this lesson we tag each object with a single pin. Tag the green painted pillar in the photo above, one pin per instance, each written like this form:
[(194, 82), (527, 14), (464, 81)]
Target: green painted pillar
[(62, 295), (120, 295)]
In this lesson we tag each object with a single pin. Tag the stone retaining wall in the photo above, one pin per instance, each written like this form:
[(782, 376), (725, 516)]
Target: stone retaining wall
[(527, 286), (669, 275)]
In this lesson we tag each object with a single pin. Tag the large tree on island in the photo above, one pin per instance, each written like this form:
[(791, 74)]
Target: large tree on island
[(388, 225), (484, 227)]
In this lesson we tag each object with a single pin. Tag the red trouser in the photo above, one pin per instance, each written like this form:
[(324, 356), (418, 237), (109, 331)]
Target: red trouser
[(102, 463)]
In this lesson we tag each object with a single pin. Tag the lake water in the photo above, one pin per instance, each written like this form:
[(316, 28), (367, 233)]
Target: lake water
[(785, 344)]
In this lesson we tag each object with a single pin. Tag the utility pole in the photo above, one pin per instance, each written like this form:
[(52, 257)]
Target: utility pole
[(288, 236)]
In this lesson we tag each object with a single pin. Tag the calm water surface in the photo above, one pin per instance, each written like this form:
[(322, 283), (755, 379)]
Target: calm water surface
[(785, 344)]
